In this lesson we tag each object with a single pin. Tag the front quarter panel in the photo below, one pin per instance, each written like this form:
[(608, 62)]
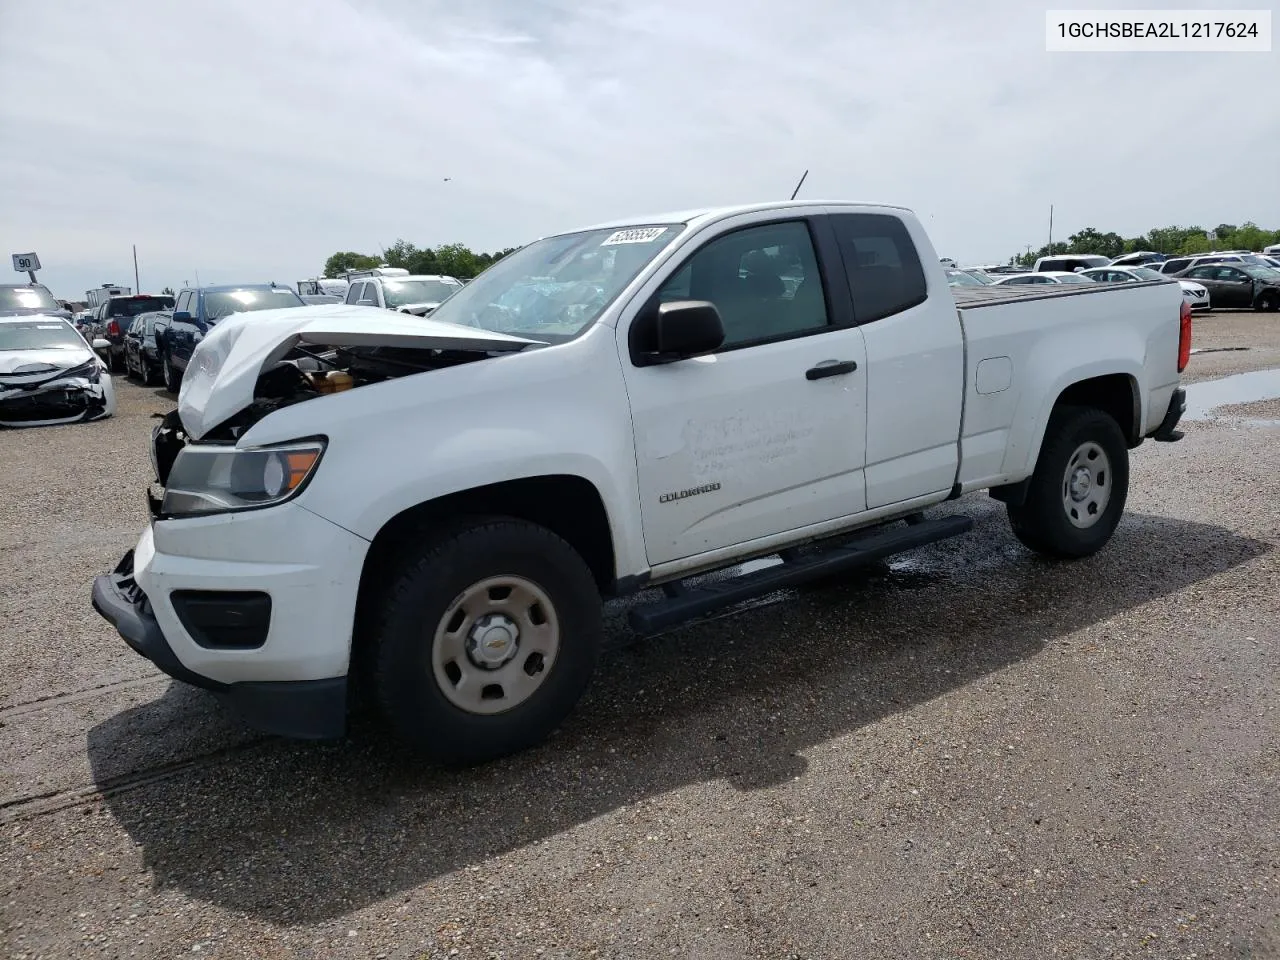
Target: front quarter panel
[(400, 443)]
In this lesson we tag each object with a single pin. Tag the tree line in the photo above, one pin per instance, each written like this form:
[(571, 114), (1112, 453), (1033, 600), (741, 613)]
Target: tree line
[(450, 260), (1181, 241)]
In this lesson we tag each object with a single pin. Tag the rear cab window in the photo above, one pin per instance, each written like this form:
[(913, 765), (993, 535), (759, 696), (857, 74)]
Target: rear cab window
[(882, 264)]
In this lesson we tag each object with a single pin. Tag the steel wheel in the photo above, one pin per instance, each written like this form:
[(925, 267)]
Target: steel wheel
[(1086, 485), (495, 645)]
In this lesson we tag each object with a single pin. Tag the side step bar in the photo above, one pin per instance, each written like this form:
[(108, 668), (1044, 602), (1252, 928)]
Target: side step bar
[(686, 603)]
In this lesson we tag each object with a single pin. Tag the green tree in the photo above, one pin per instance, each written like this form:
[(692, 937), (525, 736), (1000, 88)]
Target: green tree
[(167, 292), (1251, 237), (1091, 241), (339, 263), (400, 254), (1196, 243)]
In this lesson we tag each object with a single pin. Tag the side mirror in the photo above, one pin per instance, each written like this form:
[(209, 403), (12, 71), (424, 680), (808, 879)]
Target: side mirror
[(683, 329), (100, 344), (182, 316)]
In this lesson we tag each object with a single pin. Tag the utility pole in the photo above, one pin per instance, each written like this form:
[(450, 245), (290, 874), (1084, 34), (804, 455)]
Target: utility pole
[(1051, 229), (798, 185), (137, 286)]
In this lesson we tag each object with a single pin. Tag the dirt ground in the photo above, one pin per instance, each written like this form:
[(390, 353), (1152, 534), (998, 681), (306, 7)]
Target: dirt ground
[(971, 753)]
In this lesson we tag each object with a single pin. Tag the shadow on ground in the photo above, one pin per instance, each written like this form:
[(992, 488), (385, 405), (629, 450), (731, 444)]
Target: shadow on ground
[(299, 832)]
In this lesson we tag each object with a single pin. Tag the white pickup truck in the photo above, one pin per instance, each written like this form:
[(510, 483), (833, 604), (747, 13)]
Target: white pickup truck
[(430, 511)]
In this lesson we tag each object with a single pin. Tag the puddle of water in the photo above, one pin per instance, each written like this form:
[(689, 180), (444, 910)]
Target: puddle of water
[(1205, 397)]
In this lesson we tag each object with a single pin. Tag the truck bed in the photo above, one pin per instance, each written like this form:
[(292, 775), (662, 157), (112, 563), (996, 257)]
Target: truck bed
[(969, 298)]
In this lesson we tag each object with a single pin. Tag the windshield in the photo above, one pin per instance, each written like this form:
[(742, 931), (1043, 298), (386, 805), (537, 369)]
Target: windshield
[(225, 302), (27, 298), (958, 278), (1144, 273), (40, 335), (401, 293), (555, 288), (132, 306)]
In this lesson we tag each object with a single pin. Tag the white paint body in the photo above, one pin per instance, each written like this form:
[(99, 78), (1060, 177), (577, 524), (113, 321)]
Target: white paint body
[(942, 398)]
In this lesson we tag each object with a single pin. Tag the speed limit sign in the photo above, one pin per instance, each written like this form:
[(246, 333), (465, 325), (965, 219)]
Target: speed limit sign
[(25, 262)]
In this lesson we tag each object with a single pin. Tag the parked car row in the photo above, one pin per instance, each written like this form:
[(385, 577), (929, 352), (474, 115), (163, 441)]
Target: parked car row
[(1233, 278)]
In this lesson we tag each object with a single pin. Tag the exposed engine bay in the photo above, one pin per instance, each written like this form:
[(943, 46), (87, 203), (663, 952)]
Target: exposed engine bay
[(304, 374)]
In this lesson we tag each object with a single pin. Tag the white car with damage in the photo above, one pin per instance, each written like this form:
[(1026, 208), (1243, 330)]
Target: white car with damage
[(430, 511), (49, 374)]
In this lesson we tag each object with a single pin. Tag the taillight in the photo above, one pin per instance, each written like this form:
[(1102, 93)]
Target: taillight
[(113, 330), (1184, 336)]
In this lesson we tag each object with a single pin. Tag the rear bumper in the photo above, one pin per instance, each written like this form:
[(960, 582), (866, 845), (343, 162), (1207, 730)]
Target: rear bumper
[(1168, 430), (304, 709)]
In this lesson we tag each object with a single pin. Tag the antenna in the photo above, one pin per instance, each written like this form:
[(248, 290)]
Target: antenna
[(798, 185)]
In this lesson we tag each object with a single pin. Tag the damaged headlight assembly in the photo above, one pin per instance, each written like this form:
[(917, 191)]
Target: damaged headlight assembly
[(217, 479)]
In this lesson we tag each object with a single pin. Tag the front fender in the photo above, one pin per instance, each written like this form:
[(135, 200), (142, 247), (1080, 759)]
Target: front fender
[(400, 443)]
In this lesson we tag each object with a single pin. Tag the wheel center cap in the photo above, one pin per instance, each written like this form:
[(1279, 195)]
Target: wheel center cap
[(1081, 483), (492, 641)]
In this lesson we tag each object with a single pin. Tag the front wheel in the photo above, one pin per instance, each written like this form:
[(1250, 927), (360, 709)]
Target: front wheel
[(1078, 491), (485, 641), (1268, 302), (172, 379)]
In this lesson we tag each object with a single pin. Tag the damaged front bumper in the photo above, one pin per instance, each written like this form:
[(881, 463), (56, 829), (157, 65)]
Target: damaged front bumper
[(66, 399), (304, 709)]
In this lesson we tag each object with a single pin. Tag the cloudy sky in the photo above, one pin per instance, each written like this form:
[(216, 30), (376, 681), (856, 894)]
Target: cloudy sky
[(249, 139)]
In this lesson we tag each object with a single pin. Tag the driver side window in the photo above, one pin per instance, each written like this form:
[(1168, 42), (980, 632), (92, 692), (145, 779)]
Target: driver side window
[(764, 281)]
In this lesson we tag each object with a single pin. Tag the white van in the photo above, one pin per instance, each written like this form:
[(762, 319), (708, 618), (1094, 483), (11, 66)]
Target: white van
[(1070, 263)]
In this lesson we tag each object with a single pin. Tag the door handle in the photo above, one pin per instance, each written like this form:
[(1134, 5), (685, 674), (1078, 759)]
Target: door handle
[(831, 368)]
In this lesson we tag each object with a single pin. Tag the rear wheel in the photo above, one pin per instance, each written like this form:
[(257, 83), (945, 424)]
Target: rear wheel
[(117, 362), (485, 641), (1078, 491)]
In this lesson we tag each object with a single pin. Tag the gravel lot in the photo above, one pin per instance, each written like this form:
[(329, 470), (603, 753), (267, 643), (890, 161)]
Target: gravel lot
[(972, 753)]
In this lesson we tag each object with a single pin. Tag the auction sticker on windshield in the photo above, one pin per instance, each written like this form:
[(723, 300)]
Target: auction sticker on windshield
[(637, 235)]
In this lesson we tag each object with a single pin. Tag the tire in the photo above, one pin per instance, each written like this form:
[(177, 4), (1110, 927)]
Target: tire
[(429, 678), (1268, 302), (1068, 521), (172, 378), (117, 363)]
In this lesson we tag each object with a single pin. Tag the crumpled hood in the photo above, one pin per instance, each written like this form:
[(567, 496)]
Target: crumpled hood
[(224, 367), (418, 309), (39, 363)]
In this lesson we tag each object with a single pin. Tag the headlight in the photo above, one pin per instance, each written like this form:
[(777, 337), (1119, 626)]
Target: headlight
[(91, 371), (212, 479)]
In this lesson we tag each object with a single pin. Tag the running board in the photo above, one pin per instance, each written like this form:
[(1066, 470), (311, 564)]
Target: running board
[(683, 603)]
